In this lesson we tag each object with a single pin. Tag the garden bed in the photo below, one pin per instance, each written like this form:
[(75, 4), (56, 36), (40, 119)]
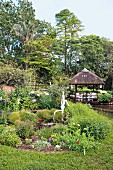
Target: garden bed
[(50, 149)]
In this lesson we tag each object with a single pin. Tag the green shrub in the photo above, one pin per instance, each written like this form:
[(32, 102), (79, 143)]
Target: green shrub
[(76, 141), (13, 117), (4, 117), (58, 116), (45, 102), (25, 115), (46, 132), (96, 128), (48, 115), (8, 137), (97, 125), (20, 99), (25, 129), (106, 97), (2, 128), (51, 99), (44, 115)]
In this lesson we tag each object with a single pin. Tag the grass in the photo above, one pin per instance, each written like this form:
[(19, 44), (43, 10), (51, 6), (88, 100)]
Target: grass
[(99, 159)]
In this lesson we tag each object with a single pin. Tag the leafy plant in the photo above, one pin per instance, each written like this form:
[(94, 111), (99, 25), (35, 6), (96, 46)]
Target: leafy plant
[(45, 115), (106, 97), (8, 137), (26, 115), (13, 117), (98, 125), (41, 145), (25, 129)]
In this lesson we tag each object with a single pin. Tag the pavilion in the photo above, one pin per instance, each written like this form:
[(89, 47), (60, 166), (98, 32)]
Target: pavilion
[(86, 78)]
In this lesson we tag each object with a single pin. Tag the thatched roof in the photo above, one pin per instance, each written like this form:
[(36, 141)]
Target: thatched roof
[(85, 77)]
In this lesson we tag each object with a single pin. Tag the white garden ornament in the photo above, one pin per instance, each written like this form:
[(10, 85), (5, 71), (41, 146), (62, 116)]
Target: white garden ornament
[(63, 102)]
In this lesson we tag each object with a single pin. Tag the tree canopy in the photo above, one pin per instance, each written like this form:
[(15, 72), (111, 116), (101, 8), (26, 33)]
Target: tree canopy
[(29, 43)]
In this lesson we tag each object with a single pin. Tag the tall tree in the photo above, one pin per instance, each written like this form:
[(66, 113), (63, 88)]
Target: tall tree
[(8, 17), (41, 58), (68, 27), (25, 27), (91, 54), (108, 53)]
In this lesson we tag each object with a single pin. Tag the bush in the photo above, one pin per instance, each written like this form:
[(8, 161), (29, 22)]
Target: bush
[(76, 141), (97, 125), (19, 99), (106, 97), (2, 128), (4, 117), (46, 132), (48, 115), (8, 137), (13, 117), (44, 115), (25, 115), (58, 116), (94, 127), (14, 76), (25, 129), (49, 100)]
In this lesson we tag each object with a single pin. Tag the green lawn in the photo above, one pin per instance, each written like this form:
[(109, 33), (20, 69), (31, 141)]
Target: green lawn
[(98, 159)]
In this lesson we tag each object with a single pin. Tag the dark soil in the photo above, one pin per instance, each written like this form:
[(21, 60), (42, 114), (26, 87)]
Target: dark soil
[(50, 149)]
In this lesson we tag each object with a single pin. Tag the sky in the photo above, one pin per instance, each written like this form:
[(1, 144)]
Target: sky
[(95, 15)]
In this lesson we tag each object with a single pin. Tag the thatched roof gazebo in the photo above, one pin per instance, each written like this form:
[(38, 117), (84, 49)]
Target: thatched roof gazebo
[(85, 77)]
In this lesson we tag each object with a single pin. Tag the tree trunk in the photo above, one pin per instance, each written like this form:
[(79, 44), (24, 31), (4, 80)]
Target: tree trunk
[(112, 82), (65, 54), (27, 53)]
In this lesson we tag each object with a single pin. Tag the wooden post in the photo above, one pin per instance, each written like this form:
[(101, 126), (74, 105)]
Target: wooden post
[(75, 92)]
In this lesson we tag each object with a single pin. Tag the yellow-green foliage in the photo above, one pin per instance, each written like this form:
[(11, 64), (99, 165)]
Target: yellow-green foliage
[(17, 122), (44, 114), (47, 115), (25, 115), (13, 117), (58, 116)]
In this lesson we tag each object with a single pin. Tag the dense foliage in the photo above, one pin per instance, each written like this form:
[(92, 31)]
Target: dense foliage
[(27, 42)]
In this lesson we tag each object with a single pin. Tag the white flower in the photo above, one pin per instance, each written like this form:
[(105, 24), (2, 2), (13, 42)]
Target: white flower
[(34, 100), (57, 147)]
